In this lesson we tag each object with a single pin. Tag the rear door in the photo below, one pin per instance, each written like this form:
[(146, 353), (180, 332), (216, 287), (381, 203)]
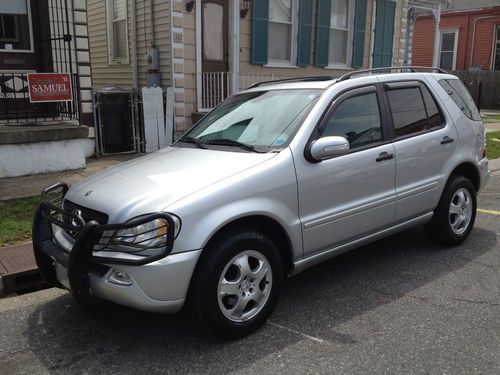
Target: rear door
[(351, 195), (424, 141)]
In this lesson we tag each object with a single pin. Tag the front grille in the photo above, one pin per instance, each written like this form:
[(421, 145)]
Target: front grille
[(86, 214)]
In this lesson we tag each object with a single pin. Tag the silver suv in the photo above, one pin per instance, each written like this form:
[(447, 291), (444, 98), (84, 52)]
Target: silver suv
[(274, 180)]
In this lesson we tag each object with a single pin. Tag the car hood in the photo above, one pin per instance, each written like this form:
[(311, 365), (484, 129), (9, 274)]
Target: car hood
[(154, 182)]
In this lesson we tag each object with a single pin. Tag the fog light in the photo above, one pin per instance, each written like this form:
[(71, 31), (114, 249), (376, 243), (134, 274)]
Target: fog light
[(120, 278)]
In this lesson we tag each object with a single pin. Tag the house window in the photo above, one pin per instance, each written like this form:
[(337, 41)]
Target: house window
[(340, 35), (497, 50), (448, 55), (282, 14), (117, 31), (15, 28)]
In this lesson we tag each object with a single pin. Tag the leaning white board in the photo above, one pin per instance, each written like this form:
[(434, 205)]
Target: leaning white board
[(154, 119)]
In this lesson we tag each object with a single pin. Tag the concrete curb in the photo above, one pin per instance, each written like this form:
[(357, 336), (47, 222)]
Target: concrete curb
[(494, 165)]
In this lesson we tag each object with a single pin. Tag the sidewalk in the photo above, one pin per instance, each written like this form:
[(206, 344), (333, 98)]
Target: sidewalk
[(25, 186), (18, 270)]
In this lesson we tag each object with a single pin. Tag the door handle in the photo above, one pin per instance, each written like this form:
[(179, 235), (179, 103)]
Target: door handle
[(446, 140), (384, 156)]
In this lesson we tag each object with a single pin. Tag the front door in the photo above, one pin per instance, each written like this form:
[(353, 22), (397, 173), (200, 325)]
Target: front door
[(214, 52), (352, 195)]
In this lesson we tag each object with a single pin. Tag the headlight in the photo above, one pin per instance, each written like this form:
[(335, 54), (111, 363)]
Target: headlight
[(151, 234)]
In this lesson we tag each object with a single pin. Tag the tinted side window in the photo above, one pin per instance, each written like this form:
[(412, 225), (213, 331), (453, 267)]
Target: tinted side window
[(460, 95), (357, 119), (408, 111), (434, 114)]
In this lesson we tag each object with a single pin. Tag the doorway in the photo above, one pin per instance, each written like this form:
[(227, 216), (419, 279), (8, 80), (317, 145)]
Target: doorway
[(214, 51)]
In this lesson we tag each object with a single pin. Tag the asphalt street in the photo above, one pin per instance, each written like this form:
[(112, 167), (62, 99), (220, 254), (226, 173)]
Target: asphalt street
[(400, 305)]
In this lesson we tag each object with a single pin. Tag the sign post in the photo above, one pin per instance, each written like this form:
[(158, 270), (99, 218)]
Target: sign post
[(49, 87)]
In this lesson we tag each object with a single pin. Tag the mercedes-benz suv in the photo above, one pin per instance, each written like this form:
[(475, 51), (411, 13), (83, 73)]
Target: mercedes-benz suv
[(276, 179)]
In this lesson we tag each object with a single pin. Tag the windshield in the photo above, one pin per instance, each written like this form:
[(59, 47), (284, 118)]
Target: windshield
[(262, 119)]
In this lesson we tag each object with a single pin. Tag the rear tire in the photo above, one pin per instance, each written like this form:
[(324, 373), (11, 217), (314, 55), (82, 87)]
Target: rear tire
[(455, 214), (236, 283)]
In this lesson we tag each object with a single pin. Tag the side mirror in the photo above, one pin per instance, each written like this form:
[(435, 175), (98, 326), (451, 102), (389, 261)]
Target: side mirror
[(328, 147)]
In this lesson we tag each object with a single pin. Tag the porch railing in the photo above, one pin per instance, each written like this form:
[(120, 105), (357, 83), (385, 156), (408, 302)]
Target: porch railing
[(15, 105), (215, 87)]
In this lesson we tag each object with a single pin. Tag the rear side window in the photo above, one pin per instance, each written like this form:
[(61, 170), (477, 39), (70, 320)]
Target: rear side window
[(408, 111), (460, 95), (436, 119)]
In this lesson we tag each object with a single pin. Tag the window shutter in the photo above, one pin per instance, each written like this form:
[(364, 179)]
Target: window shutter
[(322, 32), (260, 29), (384, 33), (359, 34), (305, 29)]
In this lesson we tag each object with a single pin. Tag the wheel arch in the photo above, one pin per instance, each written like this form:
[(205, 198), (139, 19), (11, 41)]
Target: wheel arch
[(469, 171), (268, 226)]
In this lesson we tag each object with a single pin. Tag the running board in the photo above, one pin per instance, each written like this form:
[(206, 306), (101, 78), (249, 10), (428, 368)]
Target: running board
[(312, 260)]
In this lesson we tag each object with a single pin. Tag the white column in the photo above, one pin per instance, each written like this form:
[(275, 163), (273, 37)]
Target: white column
[(235, 71), (198, 53), (437, 37)]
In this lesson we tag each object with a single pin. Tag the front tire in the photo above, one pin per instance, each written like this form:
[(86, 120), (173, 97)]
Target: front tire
[(236, 283), (455, 214)]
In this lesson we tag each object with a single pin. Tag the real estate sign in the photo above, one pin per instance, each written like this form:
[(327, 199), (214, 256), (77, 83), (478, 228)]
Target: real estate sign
[(49, 87)]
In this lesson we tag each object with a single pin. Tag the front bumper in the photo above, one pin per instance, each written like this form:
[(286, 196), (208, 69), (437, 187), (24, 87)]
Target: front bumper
[(159, 281)]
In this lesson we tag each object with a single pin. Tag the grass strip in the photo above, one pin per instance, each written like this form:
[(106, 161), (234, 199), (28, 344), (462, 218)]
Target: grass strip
[(493, 145), (16, 217)]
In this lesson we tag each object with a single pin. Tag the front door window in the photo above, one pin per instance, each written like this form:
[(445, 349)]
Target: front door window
[(213, 36)]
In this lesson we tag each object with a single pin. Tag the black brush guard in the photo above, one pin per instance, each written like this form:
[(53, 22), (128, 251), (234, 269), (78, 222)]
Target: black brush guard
[(90, 237)]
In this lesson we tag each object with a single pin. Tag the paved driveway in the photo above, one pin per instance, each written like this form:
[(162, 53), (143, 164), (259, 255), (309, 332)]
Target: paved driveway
[(400, 305)]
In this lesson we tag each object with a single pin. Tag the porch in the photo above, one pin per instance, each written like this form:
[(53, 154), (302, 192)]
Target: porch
[(43, 134), (215, 87)]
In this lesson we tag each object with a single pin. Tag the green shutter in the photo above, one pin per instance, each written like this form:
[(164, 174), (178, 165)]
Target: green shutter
[(305, 29), (260, 30), (322, 32), (384, 33), (359, 34)]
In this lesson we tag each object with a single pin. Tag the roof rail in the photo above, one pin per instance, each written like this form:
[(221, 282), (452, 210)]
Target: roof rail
[(412, 69), (296, 79)]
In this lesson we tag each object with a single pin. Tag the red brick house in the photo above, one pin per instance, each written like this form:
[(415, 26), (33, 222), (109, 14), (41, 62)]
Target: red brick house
[(470, 36)]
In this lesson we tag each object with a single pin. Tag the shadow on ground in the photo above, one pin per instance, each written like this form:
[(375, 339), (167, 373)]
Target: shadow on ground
[(314, 302)]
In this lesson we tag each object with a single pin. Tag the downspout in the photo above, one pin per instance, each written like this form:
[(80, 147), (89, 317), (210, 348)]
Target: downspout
[(152, 21), (467, 25), (135, 71), (474, 35)]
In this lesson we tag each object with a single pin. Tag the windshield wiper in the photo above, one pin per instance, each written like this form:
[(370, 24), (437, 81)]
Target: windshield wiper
[(197, 142), (232, 142)]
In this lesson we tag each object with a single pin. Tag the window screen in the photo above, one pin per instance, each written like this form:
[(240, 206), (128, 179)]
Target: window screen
[(280, 30), (408, 111), (117, 30), (339, 32), (460, 95), (447, 55), (357, 119)]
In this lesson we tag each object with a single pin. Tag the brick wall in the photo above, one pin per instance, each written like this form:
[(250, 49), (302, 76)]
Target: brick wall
[(423, 38)]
